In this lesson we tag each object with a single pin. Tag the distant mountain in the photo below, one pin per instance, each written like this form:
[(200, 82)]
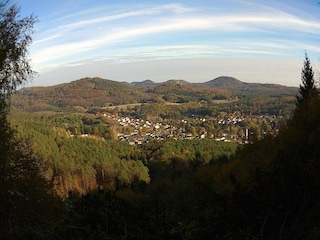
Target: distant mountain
[(86, 92), (225, 82), (182, 91), (96, 92), (250, 89), (146, 84), (149, 84)]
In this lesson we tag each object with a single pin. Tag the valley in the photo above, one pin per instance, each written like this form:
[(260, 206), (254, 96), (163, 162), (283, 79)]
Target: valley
[(218, 158), (222, 109)]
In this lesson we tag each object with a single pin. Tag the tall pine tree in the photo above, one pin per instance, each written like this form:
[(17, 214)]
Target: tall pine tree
[(308, 89)]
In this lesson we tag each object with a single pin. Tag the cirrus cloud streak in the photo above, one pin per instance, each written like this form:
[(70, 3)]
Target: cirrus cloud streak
[(145, 32)]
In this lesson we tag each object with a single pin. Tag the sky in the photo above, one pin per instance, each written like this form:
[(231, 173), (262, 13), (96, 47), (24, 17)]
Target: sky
[(194, 40)]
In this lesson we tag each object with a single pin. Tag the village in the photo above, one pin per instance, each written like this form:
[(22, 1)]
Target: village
[(238, 129)]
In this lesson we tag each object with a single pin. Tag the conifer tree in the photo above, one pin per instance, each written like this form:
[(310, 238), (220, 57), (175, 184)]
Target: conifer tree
[(308, 88), (307, 105)]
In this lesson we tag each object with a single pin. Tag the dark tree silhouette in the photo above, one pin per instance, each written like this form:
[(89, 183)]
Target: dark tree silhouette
[(27, 202), (308, 88)]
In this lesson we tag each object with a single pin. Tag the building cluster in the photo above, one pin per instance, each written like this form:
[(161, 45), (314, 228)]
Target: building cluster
[(138, 131)]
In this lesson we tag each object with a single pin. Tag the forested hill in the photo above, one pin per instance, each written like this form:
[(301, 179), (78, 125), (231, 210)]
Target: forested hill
[(249, 89), (86, 92), (181, 92), (97, 92)]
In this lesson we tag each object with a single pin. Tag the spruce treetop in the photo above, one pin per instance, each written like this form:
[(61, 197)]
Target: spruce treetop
[(307, 88)]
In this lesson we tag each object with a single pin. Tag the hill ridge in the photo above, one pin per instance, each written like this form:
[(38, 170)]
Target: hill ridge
[(95, 92)]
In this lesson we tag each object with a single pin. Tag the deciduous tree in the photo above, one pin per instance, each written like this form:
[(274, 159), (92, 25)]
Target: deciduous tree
[(15, 39), (26, 201)]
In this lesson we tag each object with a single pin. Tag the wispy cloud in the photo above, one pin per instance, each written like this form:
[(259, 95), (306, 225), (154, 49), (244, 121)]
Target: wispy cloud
[(172, 31), (176, 8)]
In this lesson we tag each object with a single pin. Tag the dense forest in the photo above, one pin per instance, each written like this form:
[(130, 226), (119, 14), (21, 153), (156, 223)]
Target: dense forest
[(64, 175)]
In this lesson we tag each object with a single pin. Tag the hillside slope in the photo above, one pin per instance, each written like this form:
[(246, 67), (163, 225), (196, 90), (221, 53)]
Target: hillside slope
[(86, 92), (250, 89), (181, 91), (97, 92)]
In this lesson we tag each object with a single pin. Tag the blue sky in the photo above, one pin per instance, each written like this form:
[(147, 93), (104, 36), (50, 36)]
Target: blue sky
[(196, 40)]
